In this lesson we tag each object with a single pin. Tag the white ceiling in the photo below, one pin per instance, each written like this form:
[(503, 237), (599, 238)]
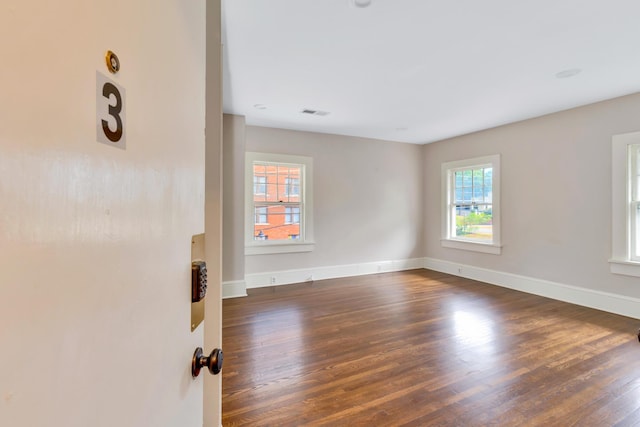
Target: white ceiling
[(423, 70)]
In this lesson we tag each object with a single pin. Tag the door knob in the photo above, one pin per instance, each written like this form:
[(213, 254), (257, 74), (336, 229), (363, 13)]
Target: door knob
[(213, 362)]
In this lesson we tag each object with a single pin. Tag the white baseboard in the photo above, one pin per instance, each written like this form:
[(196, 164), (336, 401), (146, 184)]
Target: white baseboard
[(286, 277), (605, 301), (234, 289)]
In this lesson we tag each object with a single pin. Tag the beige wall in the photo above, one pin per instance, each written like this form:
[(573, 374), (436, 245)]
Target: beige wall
[(368, 198), (556, 195), (233, 219), (95, 242), (556, 202)]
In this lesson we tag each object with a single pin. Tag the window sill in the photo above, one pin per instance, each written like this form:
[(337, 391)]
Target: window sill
[(625, 267), (278, 248), (487, 248)]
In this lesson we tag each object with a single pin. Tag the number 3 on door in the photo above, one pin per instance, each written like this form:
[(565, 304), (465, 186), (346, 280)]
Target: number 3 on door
[(110, 112)]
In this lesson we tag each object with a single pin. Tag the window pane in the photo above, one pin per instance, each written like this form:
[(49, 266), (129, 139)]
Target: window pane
[(292, 187), (272, 183), (259, 182), (487, 194), (458, 194), (466, 194), (259, 185), (292, 215), (276, 183), (474, 224), (261, 216), (466, 178), (477, 177), (259, 169), (488, 176), (282, 172), (283, 223), (458, 179), (288, 183), (477, 194)]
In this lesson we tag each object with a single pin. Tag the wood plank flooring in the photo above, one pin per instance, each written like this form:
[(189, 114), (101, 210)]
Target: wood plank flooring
[(422, 348)]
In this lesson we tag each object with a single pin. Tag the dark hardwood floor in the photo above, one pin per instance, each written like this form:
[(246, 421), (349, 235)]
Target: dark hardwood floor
[(422, 348)]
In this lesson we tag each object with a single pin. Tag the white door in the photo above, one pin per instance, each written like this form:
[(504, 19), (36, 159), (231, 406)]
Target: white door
[(95, 240)]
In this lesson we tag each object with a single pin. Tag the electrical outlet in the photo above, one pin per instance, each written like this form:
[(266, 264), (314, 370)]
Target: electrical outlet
[(273, 280)]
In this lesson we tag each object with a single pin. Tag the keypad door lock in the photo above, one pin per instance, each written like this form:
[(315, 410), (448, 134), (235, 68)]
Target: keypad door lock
[(198, 280)]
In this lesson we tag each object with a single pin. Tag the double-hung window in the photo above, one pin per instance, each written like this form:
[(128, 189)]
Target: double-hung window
[(625, 258), (471, 204), (279, 204)]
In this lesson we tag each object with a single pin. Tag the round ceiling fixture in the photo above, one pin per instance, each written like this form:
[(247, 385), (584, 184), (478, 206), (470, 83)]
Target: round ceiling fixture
[(360, 3), (259, 106), (568, 73)]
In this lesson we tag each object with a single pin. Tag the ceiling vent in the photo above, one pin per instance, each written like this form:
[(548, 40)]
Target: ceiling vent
[(314, 112)]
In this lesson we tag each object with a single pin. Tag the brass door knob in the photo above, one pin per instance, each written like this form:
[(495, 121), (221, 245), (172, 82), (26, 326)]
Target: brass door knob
[(213, 362)]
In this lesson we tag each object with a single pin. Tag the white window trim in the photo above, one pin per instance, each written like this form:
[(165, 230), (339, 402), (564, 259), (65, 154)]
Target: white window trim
[(620, 262), (447, 241), (306, 241)]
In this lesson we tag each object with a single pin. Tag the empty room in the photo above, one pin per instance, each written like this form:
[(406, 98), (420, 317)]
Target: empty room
[(319, 213), (430, 213)]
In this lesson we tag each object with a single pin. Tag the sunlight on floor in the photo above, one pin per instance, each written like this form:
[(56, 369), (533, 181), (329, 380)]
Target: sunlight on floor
[(474, 330)]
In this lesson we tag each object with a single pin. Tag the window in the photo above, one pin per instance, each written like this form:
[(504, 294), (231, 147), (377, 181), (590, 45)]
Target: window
[(292, 215), (625, 156), (471, 204), (262, 216), (279, 204), (259, 184), (292, 186)]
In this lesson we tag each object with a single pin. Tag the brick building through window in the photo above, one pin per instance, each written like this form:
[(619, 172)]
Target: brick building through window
[(277, 201)]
